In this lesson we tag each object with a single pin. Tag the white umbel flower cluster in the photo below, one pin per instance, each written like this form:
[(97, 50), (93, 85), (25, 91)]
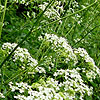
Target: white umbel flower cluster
[(43, 90), (20, 54), (52, 89), (61, 47), (93, 70), (54, 11), (72, 84), (19, 86), (40, 69), (9, 46), (83, 53)]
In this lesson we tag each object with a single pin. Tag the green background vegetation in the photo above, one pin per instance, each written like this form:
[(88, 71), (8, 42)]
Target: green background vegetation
[(15, 24)]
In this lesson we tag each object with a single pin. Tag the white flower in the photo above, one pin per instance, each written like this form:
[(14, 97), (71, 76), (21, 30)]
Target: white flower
[(1, 95), (21, 54), (40, 69), (53, 12), (61, 47)]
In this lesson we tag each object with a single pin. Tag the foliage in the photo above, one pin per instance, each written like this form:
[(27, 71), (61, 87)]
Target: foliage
[(52, 44)]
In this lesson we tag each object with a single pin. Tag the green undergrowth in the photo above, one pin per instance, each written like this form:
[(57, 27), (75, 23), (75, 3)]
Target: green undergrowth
[(49, 50)]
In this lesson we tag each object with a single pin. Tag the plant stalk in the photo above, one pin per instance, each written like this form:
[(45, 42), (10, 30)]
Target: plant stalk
[(2, 19)]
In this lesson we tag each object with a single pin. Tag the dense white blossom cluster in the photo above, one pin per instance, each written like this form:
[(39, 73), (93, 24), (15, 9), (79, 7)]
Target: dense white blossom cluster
[(43, 90), (93, 70), (20, 54), (19, 86), (72, 84), (61, 47), (52, 89), (40, 69), (59, 71), (75, 4), (9, 46), (82, 52), (55, 11)]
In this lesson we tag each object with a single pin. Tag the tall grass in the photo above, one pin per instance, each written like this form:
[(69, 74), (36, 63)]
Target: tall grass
[(2, 17)]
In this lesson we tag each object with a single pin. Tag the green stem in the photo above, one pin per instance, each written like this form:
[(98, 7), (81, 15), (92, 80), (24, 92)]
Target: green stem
[(2, 20), (70, 30), (86, 35), (87, 28)]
